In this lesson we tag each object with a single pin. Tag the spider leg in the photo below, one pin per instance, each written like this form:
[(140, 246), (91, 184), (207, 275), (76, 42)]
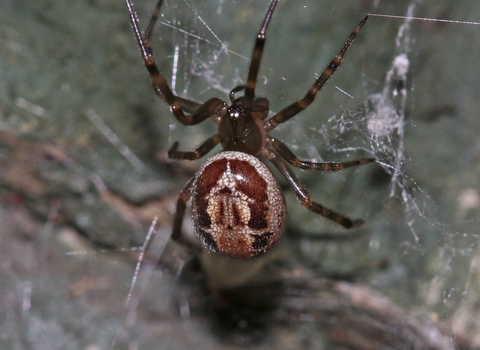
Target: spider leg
[(152, 22), (159, 83), (198, 153), (257, 57), (290, 157), (183, 198), (304, 197), (186, 105), (296, 107)]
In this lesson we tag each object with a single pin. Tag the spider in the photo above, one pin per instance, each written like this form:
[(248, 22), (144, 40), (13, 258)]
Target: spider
[(238, 209)]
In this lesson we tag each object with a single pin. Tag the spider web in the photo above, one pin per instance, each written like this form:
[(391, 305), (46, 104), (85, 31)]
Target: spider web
[(406, 94)]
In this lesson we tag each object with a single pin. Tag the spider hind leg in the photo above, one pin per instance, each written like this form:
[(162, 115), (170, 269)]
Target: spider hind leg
[(304, 197)]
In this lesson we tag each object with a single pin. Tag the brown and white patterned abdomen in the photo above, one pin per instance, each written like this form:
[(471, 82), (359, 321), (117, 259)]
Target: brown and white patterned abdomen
[(238, 209)]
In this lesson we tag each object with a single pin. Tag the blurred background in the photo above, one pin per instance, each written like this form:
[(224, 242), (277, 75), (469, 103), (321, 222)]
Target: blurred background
[(84, 172)]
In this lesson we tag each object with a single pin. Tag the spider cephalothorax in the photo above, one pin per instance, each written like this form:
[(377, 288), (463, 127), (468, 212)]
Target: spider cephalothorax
[(241, 128), (238, 209)]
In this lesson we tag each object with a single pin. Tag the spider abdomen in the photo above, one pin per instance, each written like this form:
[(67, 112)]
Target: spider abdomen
[(238, 209)]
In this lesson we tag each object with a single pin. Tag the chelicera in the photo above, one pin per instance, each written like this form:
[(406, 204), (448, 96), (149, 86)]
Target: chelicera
[(238, 209)]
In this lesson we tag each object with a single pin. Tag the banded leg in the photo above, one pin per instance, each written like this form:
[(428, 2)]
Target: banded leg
[(288, 155), (183, 198), (204, 148), (304, 198), (257, 56), (186, 105), (290, 111), (159, 83)]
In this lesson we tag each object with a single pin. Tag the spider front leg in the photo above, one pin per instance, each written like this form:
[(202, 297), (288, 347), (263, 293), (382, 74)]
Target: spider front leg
[(292, 110), (204, 148), (304, 197), (288, 155), (257, 56), (159, 83)]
